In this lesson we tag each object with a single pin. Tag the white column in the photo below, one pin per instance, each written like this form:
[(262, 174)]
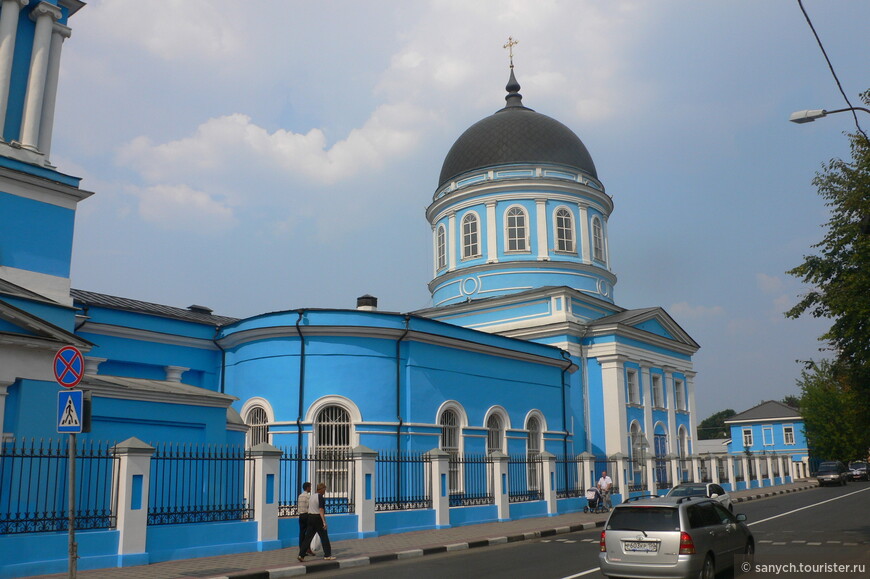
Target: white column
[(46, 125), (541, 220), (696, 475), (769, 463), (267, 470), (584, 234), (758, 477), (690, 404), (744, 463), (439, 482), (645, 386), (714, 465), (651, 476), (8, 31), (454, 241), (45, 15), (613, 392), (491, 233), (668, 396), (548, 461), (364, 489), (500, 485), (780, 468), (134, 477)]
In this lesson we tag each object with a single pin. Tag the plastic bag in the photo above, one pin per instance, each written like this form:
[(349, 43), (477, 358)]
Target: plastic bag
[(315, 543)]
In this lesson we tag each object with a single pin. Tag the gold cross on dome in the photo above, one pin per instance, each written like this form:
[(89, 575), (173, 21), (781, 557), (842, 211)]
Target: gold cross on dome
[(510, 46)]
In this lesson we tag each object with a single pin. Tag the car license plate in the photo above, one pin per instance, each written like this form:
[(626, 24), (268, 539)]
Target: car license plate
[(641, 546)]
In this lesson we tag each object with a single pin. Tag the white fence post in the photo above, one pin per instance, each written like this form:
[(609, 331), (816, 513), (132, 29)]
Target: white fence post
[(501, 485), (439, 483), (365, 489), (134, 474), (587, 463), (267, 469), (549, 463)]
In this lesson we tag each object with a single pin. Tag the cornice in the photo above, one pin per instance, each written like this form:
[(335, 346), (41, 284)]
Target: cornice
[(506, 265), (146, 335), (39, 189), (109, 390)]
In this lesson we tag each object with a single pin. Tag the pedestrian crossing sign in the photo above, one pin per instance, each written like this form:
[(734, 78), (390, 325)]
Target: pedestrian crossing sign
[(70, 411)]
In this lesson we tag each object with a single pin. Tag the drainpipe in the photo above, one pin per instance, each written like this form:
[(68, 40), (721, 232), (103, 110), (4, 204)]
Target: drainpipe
[(221, 375), (566, 356), (301, 391), (399, 385), (585, 389)]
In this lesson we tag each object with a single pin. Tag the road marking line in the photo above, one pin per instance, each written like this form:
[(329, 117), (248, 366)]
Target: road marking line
[(807, 507), (581, 573)]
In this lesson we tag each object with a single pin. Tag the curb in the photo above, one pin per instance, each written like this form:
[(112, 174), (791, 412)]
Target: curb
[(363, 560)]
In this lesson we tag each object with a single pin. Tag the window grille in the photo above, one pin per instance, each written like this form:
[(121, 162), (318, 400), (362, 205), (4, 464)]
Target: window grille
[(516, 229), (441, 248), (747, 437), (597, 240), (534, 453), (450, 444), (564, 231), (494, 433), (332, 440), (258, 422), (470, 243)]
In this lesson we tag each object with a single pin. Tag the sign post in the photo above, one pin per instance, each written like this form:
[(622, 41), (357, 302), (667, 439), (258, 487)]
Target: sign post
[(69, 368)]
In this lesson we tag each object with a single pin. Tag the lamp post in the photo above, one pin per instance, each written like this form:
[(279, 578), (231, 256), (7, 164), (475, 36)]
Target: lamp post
[(809, 116)]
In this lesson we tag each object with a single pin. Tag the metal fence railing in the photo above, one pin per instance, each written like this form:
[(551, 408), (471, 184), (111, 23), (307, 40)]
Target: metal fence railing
[(334, 468), (476, 485), (403, 481), (635, 475), (525, 478), (196, 483), (569, 483), (35, 486)]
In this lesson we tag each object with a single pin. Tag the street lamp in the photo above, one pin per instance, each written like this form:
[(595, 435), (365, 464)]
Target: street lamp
[(801, 117)]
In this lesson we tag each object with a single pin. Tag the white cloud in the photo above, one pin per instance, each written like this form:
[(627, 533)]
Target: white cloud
[(769, 284), (687, 311), (180, 207)]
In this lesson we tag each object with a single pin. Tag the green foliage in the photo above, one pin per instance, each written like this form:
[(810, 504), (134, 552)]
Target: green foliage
[(832, 411), (714, 425), (793, 401)]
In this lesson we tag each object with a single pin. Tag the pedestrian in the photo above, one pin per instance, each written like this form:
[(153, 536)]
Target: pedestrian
[(316, 524), (302, 511), (604, 485)]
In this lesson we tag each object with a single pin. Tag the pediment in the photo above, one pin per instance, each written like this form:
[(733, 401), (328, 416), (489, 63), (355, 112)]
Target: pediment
[(20, 326), (655, 321)]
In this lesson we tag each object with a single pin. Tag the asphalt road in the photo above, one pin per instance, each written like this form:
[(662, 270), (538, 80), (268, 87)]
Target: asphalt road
[(821, 526)]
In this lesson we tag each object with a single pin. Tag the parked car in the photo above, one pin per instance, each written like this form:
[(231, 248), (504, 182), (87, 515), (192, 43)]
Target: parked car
[(708, 490), (832, 472), (858, 470), (672, 537)]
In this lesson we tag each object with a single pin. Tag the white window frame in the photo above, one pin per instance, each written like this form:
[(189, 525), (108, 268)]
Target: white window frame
[(767, 435), (534, 447), (631, 384), (440, 247), (679, 395), (788, 433), (657, 391), (598, 252), (747, 438), (471, 240), (563, 229), (515, 232)]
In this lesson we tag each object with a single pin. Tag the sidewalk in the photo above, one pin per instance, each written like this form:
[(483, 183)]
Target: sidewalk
[(359, 552)]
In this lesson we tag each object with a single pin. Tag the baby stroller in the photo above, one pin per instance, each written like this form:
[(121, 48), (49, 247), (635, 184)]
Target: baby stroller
[(595, 502)]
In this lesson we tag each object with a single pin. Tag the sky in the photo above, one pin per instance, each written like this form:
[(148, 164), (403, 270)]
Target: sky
[(270, 155)]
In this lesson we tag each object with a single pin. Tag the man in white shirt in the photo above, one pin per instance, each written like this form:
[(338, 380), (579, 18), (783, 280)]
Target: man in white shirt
[(302, 510), (604, 485)]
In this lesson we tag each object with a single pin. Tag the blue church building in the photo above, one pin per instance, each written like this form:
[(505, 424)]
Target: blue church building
[(523, 351)]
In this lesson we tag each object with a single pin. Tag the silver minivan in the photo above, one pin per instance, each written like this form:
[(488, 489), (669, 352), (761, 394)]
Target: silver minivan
[(670, 537)]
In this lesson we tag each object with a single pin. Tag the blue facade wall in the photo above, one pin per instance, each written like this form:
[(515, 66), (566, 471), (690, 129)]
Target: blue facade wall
[(39, 239)]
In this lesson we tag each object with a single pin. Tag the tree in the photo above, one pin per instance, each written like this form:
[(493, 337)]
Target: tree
[(714, 425), (831, 413), (793, 401)]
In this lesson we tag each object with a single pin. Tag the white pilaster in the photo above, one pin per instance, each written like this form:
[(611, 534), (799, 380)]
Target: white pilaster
[(668, 395), (690, 404), (454, 241), (8, 31), (46, 125), (583, 238), (645, 386), (134, 477), (613, 394), (491, 233), (45, 15), (439, 482), (541, 221), (267, 470), (364, 489), (3, 393)]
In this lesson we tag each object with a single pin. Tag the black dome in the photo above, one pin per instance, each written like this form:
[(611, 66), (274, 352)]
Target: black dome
[(515, 134)]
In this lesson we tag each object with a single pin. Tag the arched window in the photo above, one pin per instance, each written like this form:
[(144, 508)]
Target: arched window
[(258, 423), (332, 437), (679, 395), (494, 433), (516, 230), (564, 230), (441, 248), (533, 454), (449, 423), (470, 236), (597, 239), (639, 452)]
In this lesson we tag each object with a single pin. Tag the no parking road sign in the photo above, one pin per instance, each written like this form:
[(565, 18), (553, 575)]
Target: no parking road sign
[(69, 366)]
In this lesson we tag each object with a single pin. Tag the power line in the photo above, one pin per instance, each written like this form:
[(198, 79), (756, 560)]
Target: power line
[(831, 66)]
